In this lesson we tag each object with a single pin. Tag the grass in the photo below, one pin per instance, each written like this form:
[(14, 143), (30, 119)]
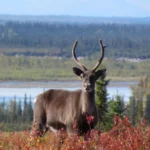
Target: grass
[(48, 68)]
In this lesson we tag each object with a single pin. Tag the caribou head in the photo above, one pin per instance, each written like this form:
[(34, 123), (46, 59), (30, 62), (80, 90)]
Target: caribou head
[(88, 76)]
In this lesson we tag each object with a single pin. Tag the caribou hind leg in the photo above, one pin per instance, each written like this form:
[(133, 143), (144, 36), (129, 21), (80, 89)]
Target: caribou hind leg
[(38, 129)]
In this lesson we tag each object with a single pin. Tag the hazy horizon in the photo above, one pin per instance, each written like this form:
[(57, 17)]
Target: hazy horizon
[(87, 8)]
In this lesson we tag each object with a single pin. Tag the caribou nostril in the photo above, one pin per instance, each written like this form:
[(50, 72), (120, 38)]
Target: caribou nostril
[(87, 85)]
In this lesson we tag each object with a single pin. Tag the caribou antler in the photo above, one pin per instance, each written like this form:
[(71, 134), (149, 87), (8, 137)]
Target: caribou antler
[(75, 58), (102, 55)]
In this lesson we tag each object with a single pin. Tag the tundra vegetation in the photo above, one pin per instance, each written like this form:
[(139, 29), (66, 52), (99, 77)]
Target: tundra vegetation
[(121, 137)]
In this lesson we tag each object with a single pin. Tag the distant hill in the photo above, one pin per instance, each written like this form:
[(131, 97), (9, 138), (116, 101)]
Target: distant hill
[(31, 37), (74, 19)]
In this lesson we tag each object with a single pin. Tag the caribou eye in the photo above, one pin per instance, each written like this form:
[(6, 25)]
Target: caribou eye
[(82, 76)]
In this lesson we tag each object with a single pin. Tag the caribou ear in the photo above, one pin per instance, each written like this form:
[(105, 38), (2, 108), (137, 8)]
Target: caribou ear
[(100, 73), (77, 71)]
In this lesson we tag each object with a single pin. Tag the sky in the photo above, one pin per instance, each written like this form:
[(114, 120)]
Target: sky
[(96, 8)]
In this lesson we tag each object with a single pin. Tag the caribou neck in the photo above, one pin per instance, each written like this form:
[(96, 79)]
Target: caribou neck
[(87, 102)]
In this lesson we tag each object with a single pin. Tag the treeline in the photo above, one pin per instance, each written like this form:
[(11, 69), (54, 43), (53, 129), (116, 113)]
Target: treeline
[(16, 115), (56, 39), (140, 101), (137, 109)]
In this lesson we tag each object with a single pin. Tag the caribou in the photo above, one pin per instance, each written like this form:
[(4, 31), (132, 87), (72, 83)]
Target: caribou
[(55, 109)]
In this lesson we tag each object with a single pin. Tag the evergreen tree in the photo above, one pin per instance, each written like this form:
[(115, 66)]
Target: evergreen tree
[(147, 108), (133, 110), (101, 99), (2, 110), (115, 107), (138, 92), (12, 111), (139, 115), (19, 111), (30, 111), (25, 109)]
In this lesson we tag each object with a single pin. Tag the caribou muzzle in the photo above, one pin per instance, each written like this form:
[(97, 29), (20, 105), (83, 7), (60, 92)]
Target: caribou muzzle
[(88, 87)]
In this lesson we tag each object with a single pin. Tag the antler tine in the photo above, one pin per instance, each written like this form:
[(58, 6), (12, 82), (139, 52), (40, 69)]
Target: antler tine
[(102, 55), (75, 58)]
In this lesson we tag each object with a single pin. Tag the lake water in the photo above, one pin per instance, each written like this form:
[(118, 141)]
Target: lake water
[(9, 90)]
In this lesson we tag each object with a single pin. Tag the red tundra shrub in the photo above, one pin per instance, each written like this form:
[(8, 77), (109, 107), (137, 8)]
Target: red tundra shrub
[(123, 136)]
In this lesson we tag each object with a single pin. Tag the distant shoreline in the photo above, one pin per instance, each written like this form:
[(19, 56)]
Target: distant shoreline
[(75, 19), (58, 84)]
